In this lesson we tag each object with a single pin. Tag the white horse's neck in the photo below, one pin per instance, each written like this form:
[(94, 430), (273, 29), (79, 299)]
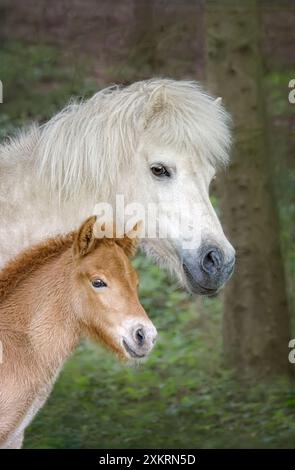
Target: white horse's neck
[(30, 211)]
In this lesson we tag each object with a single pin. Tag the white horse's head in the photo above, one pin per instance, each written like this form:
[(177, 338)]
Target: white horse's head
[(184, 140), (156, 142)]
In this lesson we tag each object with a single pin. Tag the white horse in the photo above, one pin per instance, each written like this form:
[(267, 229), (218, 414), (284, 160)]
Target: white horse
[(156, 141)]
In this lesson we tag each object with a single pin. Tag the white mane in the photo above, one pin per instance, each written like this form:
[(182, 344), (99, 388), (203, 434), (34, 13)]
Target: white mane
[(88, 142)]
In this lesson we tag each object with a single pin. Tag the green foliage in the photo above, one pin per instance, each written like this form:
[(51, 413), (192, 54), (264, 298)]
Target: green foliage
[(183, 396), (36, 82)]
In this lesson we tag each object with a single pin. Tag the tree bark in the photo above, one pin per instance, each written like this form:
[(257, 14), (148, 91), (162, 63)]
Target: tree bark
[(256, 321)]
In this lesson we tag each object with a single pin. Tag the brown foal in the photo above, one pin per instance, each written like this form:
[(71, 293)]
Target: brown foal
[(53, 294)]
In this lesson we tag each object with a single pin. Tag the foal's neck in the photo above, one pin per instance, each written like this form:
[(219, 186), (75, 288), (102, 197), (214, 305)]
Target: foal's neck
[(54, 328), (35, 304)]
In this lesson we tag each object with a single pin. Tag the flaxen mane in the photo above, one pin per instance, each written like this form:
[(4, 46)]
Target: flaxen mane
[(88, 141)]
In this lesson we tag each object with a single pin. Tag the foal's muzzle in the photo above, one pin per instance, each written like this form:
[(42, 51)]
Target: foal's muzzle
[(140, 340), (207, 269)]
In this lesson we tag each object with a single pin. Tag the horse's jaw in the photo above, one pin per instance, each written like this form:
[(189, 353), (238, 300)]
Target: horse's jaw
[(185, 266)]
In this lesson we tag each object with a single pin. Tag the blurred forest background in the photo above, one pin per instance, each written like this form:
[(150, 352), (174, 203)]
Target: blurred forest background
[(219, 376)]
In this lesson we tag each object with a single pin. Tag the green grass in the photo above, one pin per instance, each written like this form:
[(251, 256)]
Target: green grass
[(182, 396)]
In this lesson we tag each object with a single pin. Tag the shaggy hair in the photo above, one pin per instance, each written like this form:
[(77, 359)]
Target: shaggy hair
[(19, 268), (87, 142)]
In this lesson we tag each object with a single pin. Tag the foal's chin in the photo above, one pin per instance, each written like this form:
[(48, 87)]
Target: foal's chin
[(125, 358), (118, 350), (127, 348), (133, 361), (129, 359)]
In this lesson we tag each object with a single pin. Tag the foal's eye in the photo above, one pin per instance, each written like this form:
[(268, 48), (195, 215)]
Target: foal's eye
[(98, 283), (160, 171)]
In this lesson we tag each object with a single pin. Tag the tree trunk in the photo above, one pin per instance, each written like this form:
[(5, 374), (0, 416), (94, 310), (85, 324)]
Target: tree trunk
[(256, 320)]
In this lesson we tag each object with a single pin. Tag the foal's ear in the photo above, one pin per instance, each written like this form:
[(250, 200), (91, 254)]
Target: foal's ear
[(130, 241), (85, 238)]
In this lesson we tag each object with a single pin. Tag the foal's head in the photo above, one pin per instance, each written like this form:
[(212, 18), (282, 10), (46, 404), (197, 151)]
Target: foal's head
[(105, 293)]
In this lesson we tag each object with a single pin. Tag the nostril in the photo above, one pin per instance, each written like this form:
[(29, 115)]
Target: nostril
[(212, 261), (139, 336)]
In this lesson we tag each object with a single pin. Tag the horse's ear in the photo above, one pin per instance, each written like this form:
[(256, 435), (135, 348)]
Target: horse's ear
[(130, 241), (156, 104), (85, 238)]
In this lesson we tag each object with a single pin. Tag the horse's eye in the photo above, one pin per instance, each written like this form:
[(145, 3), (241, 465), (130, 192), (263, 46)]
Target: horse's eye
[(160, 171), (98, 283)]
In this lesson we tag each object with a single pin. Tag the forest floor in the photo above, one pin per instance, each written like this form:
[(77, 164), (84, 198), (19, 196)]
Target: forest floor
[(183, 396)]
